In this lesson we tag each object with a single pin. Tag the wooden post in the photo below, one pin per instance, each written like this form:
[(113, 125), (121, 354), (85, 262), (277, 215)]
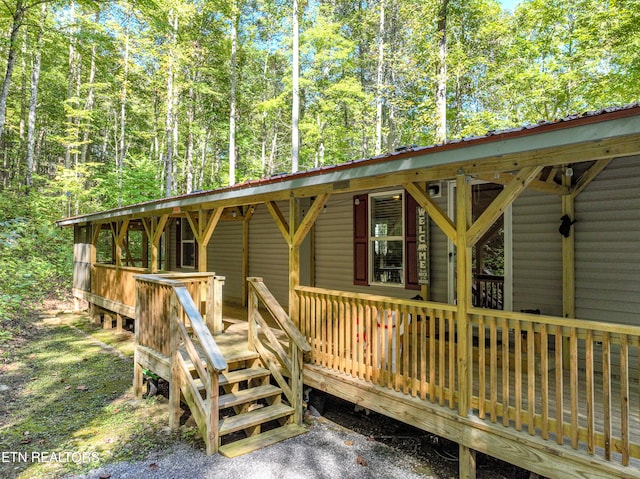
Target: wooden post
[(253, 309), (568, 265), (137, 369), (464, 339), (463, 272), (294, 261), (467, 463), (175, 381), (214, 302), (213, 416), (245, 250)]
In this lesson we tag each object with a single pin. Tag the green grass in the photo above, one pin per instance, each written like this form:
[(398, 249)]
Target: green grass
[(70, 396)]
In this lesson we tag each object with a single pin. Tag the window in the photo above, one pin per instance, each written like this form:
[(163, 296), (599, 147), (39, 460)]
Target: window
[(187, 244), (386, 238)]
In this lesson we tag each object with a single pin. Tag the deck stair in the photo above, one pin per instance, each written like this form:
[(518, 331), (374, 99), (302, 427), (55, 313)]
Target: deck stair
[(243, 386), (251, 410)]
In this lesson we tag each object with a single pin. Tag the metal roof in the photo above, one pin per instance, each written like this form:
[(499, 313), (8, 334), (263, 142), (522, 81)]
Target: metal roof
[(493, 143)]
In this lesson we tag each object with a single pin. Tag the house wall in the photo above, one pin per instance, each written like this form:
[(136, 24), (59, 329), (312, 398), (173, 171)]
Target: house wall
[(334, 254), (607, 235), (82, 258), (224, 257), (537, 253), (269, 253)]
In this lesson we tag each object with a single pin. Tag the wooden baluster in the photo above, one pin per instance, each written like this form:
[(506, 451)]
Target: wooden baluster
[(493, 361), (560, 365), (481, 368), (590, 391), (426, 318), (517, 334), (573, 355), (531, 379), (624, 398), (442, 358), (506, 393), (606, 393), (544, 379)]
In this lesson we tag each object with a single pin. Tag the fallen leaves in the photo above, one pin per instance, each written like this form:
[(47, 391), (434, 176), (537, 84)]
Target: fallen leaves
[(361, 461)]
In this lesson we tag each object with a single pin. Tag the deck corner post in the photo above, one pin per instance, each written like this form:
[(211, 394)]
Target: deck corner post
[(137, 369), (252, 309), (212, 436), (175, 380), (214, 304), (467, 463)]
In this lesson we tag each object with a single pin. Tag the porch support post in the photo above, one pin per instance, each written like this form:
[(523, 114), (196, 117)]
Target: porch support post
[(463, 272), (467, 463), (203, 226), (294, 260), (245, 251), (154, 228), (568, 268)]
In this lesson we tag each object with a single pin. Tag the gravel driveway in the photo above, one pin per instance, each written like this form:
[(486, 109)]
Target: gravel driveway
[(326, 451)]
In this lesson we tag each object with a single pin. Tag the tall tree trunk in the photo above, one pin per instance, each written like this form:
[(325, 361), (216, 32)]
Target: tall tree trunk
[(16, 23), (24, 102), (88, 106), (71, 79), (190, 119), (33, 100), (441, 75), (295, 106), (169, 124), (123, 109), (232, 110), (379, 81)]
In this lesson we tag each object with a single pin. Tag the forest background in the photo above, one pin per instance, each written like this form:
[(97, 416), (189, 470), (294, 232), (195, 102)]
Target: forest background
[(107, 103)]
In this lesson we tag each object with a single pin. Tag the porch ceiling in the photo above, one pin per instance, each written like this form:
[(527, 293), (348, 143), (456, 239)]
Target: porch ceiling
[(605, 134)]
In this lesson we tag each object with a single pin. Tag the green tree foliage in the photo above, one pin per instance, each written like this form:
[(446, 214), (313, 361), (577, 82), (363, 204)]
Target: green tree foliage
[(101, 126)]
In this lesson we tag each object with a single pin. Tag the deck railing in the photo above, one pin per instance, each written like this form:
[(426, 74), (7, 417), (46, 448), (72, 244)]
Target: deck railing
[(404, 345), (155, 296), (115, 283), (488, 291), (166, 319), (262, 339), (572, 381)]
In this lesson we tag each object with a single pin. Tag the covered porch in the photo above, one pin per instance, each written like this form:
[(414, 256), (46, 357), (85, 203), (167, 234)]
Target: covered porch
[(557, 394)]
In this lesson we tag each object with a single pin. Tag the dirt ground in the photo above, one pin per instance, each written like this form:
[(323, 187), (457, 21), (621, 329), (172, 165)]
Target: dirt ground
[(434, 453)]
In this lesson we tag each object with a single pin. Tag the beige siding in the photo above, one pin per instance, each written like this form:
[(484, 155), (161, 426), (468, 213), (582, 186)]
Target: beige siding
[(269, 253), (334, 253), (608, 245), (537, 253), (224, 257)]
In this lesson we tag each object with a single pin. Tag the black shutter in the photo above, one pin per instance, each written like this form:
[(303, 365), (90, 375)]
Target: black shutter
[(360, 240)]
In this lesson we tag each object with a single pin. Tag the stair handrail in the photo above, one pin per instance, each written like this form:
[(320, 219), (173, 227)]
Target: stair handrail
[(292, 362)]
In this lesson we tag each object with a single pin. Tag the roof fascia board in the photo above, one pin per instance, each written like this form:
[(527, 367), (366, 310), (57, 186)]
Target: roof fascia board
[(452, 153)]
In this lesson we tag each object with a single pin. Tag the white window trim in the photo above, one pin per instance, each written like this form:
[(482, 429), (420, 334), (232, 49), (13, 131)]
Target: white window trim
[(370, 248), (183, 241)]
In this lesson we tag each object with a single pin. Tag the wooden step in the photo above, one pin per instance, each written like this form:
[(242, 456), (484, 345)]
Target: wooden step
[(232, 359), (227, 378), (248, 395), (233, 377), (253, 443), (254, 418)]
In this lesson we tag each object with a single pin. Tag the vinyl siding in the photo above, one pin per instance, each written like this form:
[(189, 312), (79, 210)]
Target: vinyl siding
[(607, 235), (224, 257), (269, 253), (537, 253)]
